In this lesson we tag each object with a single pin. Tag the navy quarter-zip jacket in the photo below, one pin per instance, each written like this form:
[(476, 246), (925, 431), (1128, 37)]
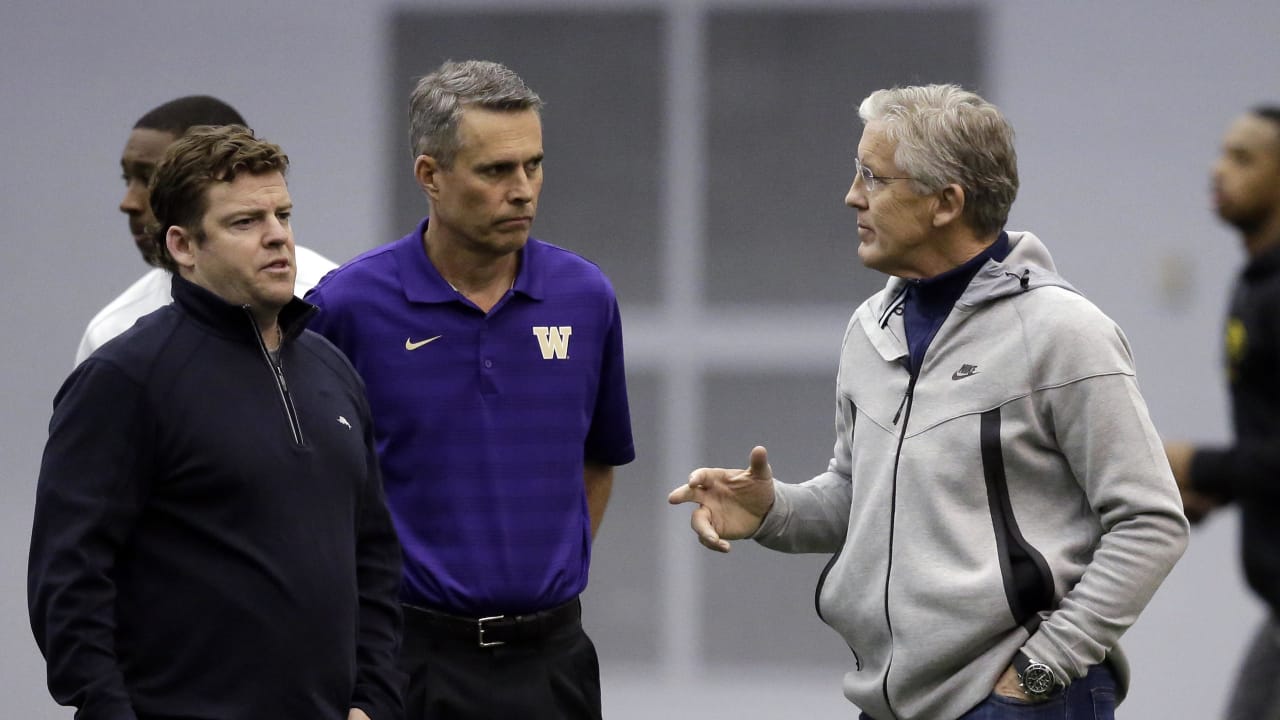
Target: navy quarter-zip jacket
[(210, 535)]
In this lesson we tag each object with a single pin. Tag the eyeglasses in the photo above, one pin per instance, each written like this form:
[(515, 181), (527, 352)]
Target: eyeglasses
[(869, 179)]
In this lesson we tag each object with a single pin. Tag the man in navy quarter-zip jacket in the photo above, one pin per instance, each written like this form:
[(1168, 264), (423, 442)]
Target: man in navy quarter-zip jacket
[(998, 506), (210, 537)]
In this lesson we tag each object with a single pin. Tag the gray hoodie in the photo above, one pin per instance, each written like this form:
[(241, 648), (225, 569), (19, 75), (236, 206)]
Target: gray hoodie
[(1013, 495)]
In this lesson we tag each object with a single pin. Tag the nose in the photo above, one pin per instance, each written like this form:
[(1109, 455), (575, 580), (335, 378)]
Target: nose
[(135, 198), (1217, 170), (521, 191), (278, 232), (857, 196)]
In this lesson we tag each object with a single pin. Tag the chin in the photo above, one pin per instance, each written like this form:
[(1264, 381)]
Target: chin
[(280, 295), (150, 254), (870, 258), (507, 244)]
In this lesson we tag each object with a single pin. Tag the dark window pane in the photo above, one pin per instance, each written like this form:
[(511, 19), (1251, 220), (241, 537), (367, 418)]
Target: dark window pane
[(783, 129), (602, 78)]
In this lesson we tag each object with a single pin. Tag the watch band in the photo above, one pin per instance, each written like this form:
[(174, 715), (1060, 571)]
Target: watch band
[(1036, 678)]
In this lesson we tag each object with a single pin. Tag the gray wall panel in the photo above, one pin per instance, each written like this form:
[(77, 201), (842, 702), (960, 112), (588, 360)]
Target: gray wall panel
[(758, 604)]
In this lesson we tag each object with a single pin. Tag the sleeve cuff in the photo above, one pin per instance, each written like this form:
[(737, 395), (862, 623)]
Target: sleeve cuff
[(1211, 474), (776, 518)]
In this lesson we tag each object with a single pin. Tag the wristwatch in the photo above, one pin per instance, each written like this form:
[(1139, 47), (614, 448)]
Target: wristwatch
[(1036, 679)]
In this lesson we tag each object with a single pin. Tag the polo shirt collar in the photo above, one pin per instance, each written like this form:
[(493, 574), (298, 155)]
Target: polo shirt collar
[(422, 282)]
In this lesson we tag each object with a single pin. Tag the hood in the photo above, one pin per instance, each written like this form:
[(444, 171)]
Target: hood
[(1027, 267)]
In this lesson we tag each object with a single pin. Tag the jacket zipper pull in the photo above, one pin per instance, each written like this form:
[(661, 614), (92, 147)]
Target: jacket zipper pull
[(901, 405), (280, 376)]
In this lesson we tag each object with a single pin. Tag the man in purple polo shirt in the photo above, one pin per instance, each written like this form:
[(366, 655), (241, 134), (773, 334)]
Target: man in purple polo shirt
[(495, 375)]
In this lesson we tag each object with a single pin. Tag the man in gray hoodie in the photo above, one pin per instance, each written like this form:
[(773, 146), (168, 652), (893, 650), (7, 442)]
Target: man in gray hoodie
[(999, 508)]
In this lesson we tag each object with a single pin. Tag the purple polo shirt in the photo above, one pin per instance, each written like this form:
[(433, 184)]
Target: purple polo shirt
[(483, 422)]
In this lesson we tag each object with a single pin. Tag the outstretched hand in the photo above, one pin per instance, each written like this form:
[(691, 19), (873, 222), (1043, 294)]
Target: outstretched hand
[(731, 503)]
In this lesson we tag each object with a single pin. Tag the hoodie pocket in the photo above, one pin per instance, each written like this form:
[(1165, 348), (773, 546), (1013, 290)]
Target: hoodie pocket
[(1028, 582), (817, 606)]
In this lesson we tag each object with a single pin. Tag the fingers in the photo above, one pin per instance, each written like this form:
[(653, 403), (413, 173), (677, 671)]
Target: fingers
[(700, 521), (760, 463), (698, 480), (719, 546), (682, 494)]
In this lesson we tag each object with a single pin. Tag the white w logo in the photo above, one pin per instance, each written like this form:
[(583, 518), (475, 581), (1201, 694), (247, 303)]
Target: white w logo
[(554, 341)]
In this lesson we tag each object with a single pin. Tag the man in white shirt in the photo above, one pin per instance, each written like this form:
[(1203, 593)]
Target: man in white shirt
[(151, 136)]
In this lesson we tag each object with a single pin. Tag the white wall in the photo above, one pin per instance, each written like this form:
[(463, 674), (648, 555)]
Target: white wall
[(1119, 107)]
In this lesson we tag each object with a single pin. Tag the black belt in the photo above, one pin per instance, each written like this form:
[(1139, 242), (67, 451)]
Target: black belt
[(493, 630)]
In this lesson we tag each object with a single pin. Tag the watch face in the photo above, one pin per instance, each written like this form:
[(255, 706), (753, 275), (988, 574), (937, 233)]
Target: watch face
[(1038, 679)]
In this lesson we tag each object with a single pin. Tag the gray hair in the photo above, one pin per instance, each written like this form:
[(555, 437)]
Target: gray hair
[(436, 104), (946, 134)]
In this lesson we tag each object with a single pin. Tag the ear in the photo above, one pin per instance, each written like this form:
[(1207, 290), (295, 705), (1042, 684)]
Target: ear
[(950, 205), (181, 245), (425, 169)]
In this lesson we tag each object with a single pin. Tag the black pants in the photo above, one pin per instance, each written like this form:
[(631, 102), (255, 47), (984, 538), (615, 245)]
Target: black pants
[(554, 677)]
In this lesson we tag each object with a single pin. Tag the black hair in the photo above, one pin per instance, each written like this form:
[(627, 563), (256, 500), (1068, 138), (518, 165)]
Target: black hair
[(178, 116), (1268, 112)]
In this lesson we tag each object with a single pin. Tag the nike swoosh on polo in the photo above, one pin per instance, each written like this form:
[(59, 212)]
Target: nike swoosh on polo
[(409, 344), (964, 372)]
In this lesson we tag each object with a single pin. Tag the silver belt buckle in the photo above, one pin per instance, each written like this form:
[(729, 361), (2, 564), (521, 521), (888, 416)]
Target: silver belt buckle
[(480, 628)]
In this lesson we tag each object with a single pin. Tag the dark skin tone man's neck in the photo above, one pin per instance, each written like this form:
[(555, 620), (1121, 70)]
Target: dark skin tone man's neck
[(1267, 236)]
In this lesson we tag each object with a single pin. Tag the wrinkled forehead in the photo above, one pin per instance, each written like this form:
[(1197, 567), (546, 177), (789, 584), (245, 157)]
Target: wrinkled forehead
[(875, 145), (266, 189)]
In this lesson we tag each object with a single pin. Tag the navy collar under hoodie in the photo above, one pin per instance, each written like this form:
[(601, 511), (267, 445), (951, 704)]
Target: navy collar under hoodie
[(928, 302)]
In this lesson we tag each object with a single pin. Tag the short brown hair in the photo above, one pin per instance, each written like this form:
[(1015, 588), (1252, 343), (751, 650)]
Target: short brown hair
[(192, 164)]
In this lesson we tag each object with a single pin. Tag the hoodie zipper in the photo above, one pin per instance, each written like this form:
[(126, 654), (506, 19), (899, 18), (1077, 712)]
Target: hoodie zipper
[(904, 413), (277, 371)]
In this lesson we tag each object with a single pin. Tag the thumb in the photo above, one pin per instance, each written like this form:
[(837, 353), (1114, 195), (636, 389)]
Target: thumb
[(760, 463)]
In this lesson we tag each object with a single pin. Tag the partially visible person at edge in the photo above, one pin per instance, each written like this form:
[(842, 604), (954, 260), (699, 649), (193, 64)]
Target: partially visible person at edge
[(1246, 192), (211, 539), (998, 505), (154, 132), (494, 364)]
